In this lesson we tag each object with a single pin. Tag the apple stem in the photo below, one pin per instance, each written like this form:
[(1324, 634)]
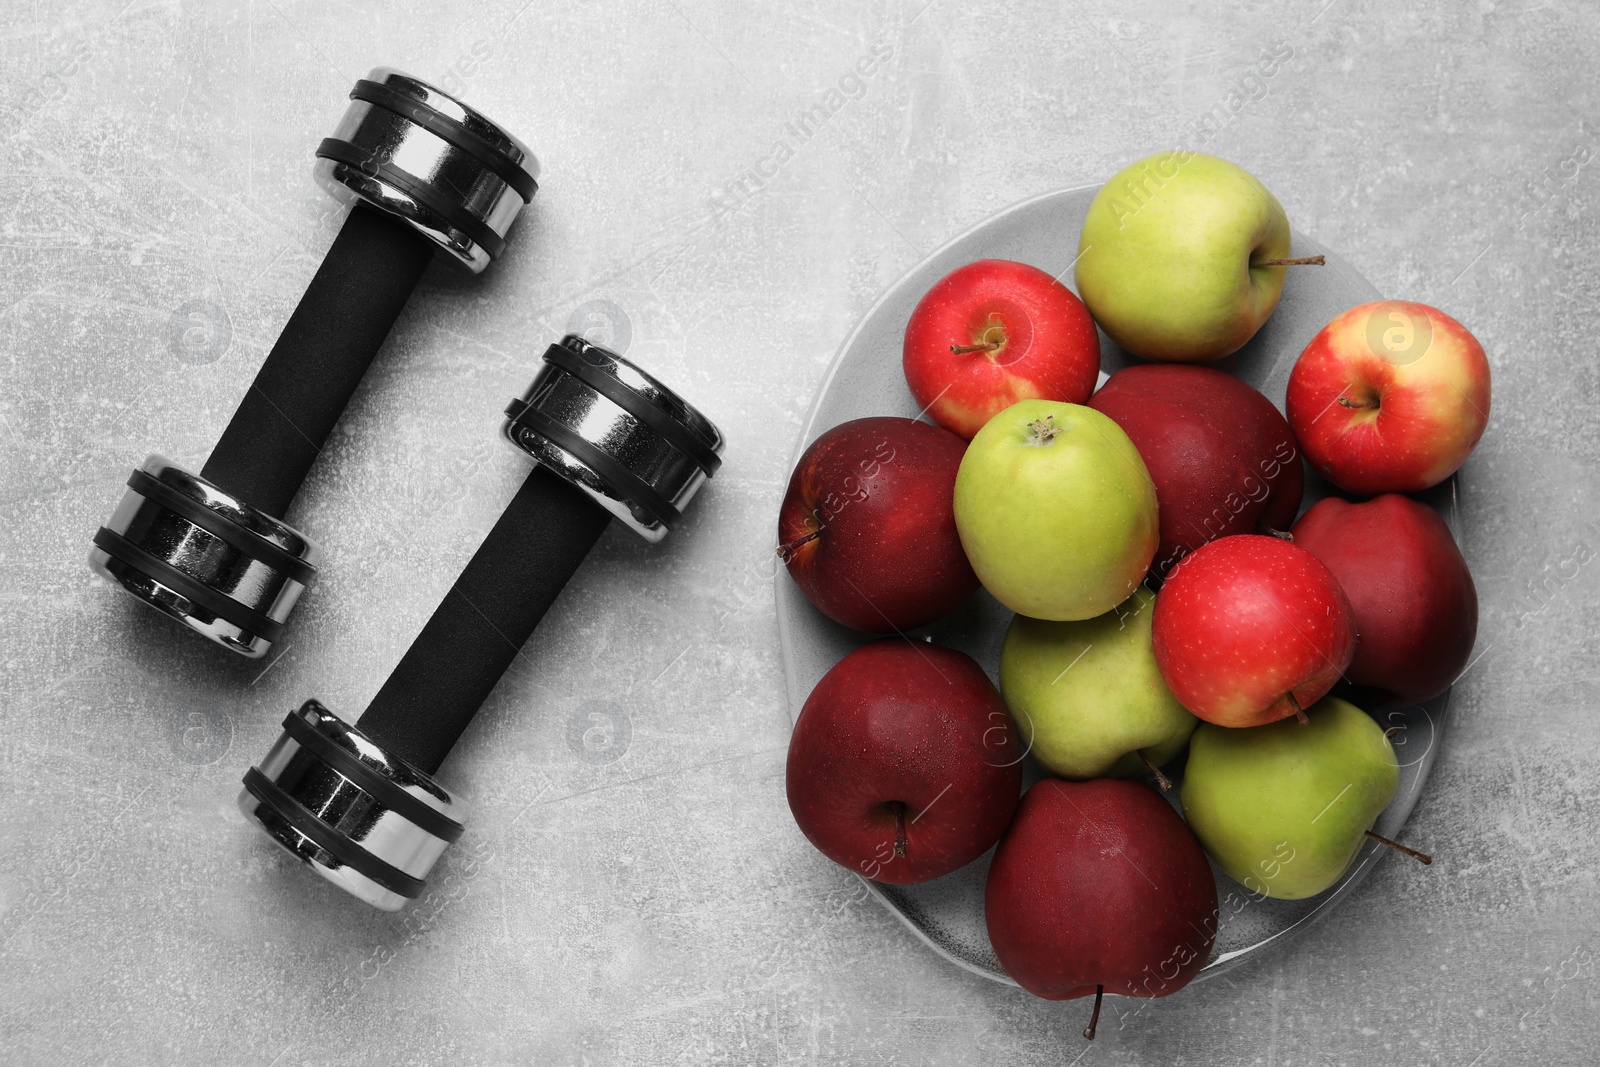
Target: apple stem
[(1162, 780), (1282, 535), (899, 828), (1346, 402), (1299, 261), (1299, 712), (1421, 857), (789, 548), (1094, 1020), (993, 337)]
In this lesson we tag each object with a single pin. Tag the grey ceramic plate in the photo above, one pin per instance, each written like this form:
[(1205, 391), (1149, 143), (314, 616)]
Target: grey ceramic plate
[(865, 379)]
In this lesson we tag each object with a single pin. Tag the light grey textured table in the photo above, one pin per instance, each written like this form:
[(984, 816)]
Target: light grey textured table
[(632, 888)]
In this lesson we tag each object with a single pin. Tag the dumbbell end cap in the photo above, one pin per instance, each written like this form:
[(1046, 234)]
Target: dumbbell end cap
[(205, 557), (362, 818), (636, 447)]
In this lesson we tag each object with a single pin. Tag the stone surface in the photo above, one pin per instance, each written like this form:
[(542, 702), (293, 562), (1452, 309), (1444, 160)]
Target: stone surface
[(632, 888)]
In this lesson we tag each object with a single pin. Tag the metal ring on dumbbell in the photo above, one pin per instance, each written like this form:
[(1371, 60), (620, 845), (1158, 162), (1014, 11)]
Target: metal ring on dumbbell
[(204, 556), (424, 156), (430, 176), (605, 433)]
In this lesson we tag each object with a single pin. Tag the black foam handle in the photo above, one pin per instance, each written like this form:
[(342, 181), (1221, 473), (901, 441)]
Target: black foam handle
[(475, 633), (316, 364)]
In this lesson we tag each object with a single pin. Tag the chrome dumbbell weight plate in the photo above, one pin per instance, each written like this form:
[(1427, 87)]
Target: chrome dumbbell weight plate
[(364, 820), (424, 156), (204, 557), (629, 442)]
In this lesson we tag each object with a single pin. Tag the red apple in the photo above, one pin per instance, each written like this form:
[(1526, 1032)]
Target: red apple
[(1415, 606), (904, 764), (1222, 458), (1100, 886), (867, 527), (1250, 629), (995, 332), (1389, 397)]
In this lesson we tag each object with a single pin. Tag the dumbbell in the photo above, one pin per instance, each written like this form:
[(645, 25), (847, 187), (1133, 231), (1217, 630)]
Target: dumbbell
[(359, 803), (428, 176)]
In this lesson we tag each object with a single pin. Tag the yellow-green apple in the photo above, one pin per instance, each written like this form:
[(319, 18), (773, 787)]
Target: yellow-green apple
[(904, 765), (992, 333), (1284, 808), (1056, 510), (1182, 257), (1415, 605), (1390, 397), (1251, 629), (867, 529), (1099, 887), (1222, 458), (1088, 696)]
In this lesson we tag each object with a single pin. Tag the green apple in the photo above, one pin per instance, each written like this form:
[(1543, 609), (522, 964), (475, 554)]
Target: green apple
[(1177, 257), (1056, 510), (1284, 808), (1088, 695)]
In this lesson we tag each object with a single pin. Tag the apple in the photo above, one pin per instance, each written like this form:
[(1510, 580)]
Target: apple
[(904, 764), (1251, 629), (1415, 605), (1088, 697), (992, 333), (1284, 808), (1056, 510), (1389, 397), (1182, 257), (1222, 458), (1099, 887), (867, 529)]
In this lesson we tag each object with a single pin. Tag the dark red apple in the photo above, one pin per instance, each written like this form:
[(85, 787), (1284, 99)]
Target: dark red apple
[(867, 528), (1415, 606), (1251, 629), (1100, 885), (1221, 456), (904, 764), (992, 333)]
